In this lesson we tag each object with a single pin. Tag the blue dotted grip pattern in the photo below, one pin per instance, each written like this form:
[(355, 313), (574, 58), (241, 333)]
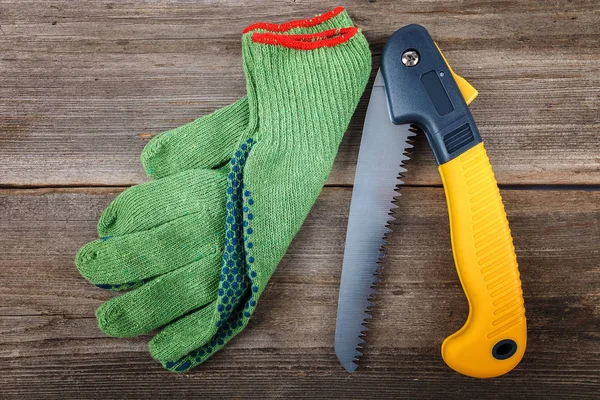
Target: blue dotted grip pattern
[(238, 283)]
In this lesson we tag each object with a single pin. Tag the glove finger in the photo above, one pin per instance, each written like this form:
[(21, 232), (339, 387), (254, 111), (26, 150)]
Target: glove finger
[(163, 299), (192, 339), (121, 262), (157, 202), (204, 346), (204, 143), (181, 337)]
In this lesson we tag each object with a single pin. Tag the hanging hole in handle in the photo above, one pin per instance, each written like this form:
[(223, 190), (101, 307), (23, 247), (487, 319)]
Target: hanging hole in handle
[(504, 349)]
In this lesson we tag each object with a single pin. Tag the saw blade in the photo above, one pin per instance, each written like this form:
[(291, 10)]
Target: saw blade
[(383, 151)]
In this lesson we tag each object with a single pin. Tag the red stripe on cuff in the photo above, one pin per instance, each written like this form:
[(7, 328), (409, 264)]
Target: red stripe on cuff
[(329, 38)]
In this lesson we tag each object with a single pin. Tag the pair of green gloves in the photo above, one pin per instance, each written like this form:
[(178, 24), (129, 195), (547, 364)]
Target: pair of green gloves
[(197, 245)]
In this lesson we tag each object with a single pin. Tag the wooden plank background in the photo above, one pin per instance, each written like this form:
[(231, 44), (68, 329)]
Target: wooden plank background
[(84, 84)]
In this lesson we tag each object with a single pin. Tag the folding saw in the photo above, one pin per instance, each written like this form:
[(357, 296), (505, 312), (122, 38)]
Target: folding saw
[(416, 90)]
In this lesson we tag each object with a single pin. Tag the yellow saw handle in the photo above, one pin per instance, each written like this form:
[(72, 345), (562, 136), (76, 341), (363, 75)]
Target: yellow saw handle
[(493, 340), (420, 91)]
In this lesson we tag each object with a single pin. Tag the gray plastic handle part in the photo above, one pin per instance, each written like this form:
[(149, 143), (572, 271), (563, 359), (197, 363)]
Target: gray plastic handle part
[(426, 94)]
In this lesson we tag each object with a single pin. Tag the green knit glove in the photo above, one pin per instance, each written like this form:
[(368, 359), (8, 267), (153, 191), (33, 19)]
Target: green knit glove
[(165, 239), (302, 92), (210, 140)]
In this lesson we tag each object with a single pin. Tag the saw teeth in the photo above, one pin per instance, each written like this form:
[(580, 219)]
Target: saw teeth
[(366, 316), (415, 129), (382, 253)]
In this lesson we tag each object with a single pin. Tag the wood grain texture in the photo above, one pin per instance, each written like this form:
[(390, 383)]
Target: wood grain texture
[(50, 346), (84, 84)]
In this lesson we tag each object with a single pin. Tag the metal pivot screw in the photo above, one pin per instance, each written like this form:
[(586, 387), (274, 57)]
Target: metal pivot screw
[(410, 58)]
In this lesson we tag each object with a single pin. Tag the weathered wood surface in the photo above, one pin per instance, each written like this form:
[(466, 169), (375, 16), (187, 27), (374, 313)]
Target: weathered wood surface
[(83, 84), (50, 346)]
